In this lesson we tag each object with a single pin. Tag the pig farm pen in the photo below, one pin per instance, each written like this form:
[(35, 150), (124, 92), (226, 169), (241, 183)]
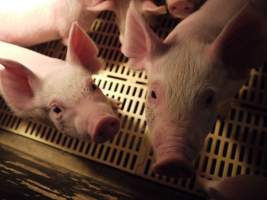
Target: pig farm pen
[(236, 145)]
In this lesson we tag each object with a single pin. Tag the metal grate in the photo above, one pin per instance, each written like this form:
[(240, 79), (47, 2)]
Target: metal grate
[(235, 146)]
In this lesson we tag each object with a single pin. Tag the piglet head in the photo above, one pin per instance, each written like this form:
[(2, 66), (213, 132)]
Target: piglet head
[(68, 96), (85, 109), (188, 79)]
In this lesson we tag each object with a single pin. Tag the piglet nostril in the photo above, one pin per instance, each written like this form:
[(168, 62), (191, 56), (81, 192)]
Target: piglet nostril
[(181, 8), (106, 129), (173, 167)]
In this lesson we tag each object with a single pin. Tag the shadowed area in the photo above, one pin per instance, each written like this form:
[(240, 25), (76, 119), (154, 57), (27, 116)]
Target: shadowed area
[(31, 170), (27, 178)]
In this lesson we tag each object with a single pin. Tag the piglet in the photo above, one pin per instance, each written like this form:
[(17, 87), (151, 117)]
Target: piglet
[(183, 8), (31, 22), (243, 187), (199, 66), (62, 92)]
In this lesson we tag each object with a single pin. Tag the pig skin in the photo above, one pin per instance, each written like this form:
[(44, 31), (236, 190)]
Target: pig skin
[(242, 187), (148, 8), (31, 22)]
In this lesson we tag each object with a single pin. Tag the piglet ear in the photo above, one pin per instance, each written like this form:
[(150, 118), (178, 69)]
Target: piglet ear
[(18, 85), (100, 5), (140, 43), (242, 43), (150, 7), (82, 50)]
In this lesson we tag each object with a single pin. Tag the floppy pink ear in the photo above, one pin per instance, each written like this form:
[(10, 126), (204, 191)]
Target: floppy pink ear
[(140, 43), (100, 5), (82, 50), (18, 85), (242, 43)]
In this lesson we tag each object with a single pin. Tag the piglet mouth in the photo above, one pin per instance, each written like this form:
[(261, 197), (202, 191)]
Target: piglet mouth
[(174, 158), (173, 163), (105, 129)]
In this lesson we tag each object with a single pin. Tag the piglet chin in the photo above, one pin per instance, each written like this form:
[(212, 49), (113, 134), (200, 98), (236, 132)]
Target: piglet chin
[(105, 129)]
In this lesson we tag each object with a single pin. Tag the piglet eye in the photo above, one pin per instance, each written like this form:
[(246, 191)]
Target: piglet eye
[(153, 94), (94, 86), (209, 98), (56, 109)]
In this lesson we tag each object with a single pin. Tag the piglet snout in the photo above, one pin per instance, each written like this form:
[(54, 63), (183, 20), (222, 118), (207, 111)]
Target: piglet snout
[(174, 154), (174, 165), (105, 129), (181, 8)]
